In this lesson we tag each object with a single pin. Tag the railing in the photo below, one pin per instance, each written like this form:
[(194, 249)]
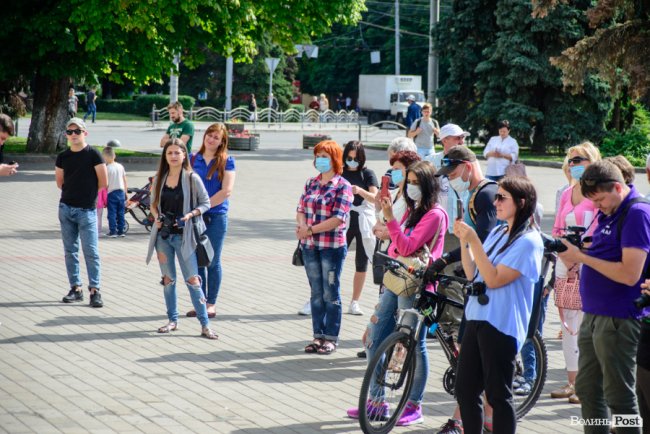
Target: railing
[(268, 116)]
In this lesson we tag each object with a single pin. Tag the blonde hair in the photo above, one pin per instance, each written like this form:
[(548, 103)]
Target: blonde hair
[(585, 149)]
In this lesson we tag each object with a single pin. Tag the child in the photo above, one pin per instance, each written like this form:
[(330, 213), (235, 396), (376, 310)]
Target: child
[(116, 194)]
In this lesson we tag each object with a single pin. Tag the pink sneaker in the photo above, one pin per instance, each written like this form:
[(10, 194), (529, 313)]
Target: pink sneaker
[(411, 415), (375, 412)]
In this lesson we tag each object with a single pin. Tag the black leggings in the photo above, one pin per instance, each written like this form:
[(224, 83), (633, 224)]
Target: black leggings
[(486, 362), (360, 257)]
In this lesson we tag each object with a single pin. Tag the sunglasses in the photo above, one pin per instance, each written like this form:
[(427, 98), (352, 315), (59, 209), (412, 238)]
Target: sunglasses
[(447, 162), (594, 182), (501, 197), (71, 132), (577, 160)]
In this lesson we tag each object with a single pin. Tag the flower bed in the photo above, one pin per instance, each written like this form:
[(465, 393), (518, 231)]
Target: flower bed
[(243, 141), (311, 140), (235, 127)]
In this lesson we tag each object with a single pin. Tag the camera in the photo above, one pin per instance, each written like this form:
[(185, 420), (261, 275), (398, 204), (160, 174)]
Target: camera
[(642, 302), (167, 219), (573, 235), (478, 289)]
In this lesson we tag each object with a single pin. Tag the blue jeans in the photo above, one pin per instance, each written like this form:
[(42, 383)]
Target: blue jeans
[(92, 110), (386, 312), (323, 269), (425, 152), (527, 350), (115, 207), (216, 230), (167, 250), (80, 224)]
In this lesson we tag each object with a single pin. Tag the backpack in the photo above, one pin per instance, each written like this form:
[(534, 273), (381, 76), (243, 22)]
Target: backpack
[(471, 207)]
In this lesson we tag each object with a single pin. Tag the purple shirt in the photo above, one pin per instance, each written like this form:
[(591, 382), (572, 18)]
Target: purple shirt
[(600, 295)]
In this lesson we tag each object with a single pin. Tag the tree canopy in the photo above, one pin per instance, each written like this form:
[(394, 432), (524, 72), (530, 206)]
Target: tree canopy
[(619, 49), (57, 41)]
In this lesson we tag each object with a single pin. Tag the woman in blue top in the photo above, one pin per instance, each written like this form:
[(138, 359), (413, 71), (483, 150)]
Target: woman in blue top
[(217, 171), (509, 264)]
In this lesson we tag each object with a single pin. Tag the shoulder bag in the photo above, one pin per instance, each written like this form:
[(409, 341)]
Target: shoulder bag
[(403, 283), (204, 251), (297, 257)]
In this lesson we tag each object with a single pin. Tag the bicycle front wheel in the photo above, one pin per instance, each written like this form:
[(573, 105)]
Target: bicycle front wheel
[(387, 383), (524, 403)]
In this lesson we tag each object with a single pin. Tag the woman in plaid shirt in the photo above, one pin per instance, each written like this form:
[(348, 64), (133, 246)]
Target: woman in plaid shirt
[(321, 215)]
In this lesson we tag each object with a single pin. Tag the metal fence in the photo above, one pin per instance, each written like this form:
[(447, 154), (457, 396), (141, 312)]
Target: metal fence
[(269, 116)]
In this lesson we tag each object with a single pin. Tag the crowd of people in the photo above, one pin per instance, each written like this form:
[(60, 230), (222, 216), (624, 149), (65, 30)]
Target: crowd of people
[(440, 203), (496, 239)]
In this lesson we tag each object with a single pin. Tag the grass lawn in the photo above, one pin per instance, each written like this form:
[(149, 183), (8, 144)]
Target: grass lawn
[(17, 145), (108, 116)]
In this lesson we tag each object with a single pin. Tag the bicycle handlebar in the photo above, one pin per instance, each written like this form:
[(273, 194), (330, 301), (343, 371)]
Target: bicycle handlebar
[(393, 264)]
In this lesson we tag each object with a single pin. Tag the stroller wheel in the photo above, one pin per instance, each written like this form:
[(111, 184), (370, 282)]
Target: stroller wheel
[(126, 226)]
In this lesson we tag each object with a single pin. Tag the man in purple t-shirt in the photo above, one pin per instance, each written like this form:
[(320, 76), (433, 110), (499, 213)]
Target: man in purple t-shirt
[(610, 281)]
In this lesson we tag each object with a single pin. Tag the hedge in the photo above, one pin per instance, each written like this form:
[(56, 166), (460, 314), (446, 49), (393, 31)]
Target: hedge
[(141, 105)]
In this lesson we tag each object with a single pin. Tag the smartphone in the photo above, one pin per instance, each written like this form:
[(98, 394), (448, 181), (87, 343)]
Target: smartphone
[(385, 182), (11, 163), (460, 210), (180, 223)]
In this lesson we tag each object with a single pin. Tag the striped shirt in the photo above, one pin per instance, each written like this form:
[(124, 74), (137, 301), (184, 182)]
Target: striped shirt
[(319, 203)]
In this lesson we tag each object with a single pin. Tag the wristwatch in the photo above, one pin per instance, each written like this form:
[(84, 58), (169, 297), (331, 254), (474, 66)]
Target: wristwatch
[(310, 232)]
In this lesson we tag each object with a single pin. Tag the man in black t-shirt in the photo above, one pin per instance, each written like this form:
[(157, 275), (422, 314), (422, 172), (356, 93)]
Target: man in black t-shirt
[(80, 172)]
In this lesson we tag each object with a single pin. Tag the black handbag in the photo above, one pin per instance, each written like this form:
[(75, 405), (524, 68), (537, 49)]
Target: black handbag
[(297, 257), (203, 258)]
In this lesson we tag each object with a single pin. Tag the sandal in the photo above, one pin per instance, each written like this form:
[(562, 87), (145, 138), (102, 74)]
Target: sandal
[(169, 327), (327, 348), (313, 347), (208, 333)]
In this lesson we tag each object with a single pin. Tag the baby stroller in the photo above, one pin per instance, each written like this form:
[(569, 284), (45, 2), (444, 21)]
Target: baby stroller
[(138, 206)]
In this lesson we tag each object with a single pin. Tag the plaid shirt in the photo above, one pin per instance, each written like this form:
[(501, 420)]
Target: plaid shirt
[(319, 203)]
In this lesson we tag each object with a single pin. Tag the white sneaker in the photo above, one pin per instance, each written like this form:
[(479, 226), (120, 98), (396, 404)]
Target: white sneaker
[(306, 309), (354, 308)]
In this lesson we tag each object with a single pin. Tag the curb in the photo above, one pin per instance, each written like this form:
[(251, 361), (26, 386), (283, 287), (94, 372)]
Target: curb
[(51, 159)]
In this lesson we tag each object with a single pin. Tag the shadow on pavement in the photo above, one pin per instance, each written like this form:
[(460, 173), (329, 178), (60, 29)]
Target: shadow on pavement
[(275, 229)]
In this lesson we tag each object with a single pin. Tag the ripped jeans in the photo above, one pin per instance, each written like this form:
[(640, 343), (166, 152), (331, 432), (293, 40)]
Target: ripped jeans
[(323, 267), (167, 250), (382, 324)]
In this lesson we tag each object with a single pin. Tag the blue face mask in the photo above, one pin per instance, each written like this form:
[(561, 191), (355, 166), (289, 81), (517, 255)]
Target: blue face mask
[(577, 171), (323, 164), (396, 176), (352, 164)]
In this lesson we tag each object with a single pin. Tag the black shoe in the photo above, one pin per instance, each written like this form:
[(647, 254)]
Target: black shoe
[(75, 294), (361, 354), (96, 299)]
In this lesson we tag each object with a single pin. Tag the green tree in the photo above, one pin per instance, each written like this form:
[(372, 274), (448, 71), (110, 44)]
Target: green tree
[(55, 42), (503, 72)]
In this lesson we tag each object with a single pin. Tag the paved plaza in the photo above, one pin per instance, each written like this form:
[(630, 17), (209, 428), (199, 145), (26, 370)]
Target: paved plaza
[(70, 368)]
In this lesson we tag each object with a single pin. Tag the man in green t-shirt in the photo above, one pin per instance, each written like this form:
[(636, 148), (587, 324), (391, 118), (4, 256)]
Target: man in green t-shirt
[(179, 128)]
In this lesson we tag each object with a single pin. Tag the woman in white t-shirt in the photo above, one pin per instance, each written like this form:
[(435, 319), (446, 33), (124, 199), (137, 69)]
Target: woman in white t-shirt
[(500, 152)]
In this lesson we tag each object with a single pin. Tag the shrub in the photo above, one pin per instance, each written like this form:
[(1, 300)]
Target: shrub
[(143, 103), (633, 144), (117, 106)]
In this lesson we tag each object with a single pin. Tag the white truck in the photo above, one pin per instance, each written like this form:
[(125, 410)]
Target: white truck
[(383, 97)]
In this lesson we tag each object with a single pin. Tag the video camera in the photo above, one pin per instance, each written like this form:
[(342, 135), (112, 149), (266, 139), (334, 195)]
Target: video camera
[(642, 302), (573, 235)]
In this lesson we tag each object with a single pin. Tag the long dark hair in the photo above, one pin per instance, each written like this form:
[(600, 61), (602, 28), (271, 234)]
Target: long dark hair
[(524, 196), (163, 169), (425, 172)]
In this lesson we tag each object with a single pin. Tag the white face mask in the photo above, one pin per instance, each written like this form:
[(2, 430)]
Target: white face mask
[(414, 192), (458, 184)]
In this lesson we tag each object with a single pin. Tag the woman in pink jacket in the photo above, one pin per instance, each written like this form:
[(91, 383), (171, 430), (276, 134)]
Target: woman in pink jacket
[(574, 210), (424, 223)]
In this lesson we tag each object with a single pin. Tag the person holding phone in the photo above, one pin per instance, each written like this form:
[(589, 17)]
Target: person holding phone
[(423, 223), (509, 263), (177, 191), (362, 215)]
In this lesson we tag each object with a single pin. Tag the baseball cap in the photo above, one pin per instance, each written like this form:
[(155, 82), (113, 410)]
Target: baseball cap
[(78, 122), (410, 98), (452, 130), (455, 156)]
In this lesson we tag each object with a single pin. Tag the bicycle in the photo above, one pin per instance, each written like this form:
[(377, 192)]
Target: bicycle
[(393, 365)]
